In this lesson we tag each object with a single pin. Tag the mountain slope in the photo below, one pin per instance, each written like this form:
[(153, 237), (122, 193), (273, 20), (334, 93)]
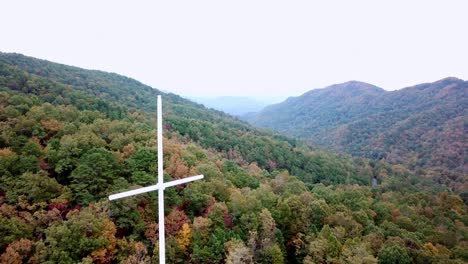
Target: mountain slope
[(95, 90), (65, 146), (421, 126)]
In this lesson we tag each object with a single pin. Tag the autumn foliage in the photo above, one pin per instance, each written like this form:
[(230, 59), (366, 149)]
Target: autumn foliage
[(70, 137)]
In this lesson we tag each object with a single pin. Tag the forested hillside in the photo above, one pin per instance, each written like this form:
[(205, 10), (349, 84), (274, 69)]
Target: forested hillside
[(421, 126), (70, 137)]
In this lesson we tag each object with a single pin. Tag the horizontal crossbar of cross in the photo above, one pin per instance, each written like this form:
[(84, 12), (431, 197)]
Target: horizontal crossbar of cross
[(154, 187)]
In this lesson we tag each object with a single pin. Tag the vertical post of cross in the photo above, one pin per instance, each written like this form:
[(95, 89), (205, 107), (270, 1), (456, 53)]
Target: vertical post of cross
[(162, 237)]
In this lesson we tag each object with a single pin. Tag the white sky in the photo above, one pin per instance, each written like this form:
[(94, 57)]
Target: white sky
[(246, 47)]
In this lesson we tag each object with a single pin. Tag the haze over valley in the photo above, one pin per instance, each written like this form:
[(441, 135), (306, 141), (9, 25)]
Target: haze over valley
[(237, 105)]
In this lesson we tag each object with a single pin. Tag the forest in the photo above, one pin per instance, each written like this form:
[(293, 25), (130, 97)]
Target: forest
[(70, 137)]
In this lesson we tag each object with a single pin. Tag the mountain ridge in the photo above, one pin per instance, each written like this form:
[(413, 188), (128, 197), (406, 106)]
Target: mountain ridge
[(334, 116)]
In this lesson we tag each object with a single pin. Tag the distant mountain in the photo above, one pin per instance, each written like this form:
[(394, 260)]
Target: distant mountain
[(420, 126), (235, 105)]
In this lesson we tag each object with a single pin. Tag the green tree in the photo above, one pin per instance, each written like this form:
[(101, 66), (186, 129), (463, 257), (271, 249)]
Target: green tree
[(31, 148), (95, 174), (143, 160), (394, 254), (86, 233), (12, 229), (37, 187)]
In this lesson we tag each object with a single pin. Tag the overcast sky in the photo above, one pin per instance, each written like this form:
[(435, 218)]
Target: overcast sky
[(251, 47)]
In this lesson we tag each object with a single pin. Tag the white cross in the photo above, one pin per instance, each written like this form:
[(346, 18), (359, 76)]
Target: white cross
[(160, 187)]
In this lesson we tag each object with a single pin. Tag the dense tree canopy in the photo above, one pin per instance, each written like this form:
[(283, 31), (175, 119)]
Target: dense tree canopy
[(70, 137)]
